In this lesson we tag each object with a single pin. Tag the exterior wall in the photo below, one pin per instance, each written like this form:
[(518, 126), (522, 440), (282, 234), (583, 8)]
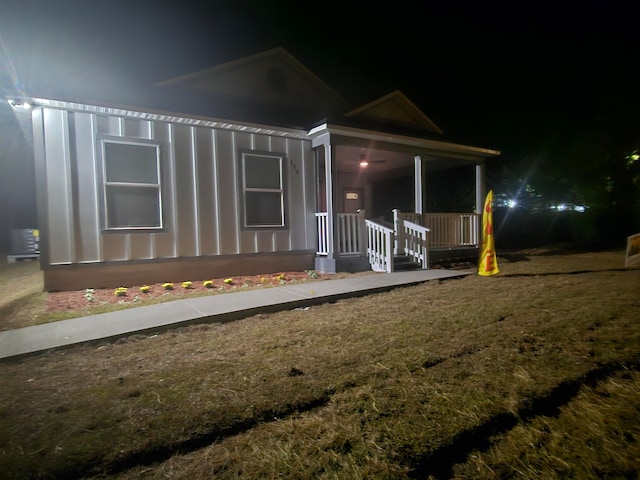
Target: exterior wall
[(200, 192)]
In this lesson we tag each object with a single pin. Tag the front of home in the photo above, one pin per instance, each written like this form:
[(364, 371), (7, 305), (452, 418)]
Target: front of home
[(132, 195)]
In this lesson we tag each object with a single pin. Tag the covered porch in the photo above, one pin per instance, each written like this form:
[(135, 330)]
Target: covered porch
[(374, 204)]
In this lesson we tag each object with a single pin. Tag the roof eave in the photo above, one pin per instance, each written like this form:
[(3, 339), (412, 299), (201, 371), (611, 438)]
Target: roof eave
[(170, 117), (319, 135)]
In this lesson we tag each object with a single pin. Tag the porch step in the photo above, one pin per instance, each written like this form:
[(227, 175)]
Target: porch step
[(404, 262)]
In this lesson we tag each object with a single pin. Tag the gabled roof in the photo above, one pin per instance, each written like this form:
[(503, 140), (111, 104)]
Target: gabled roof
[(274, 77), (395, 109)]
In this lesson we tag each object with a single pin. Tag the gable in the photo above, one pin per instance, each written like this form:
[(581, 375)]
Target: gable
[(273, 77), (395, 109)]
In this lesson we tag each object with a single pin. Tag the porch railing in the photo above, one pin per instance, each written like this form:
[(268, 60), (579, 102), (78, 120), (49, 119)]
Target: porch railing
[(447, 230), (413, 234), (351, 234), (413, 241), (380, 242)]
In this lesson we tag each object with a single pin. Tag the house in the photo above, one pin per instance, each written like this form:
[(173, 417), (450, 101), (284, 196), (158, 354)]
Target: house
[(253, 166)]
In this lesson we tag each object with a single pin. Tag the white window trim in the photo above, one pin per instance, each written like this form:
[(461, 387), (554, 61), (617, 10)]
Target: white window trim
[(106, 184), (282, 190)]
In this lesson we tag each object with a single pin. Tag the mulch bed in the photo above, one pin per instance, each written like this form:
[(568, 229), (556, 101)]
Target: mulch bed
[(78, 300)]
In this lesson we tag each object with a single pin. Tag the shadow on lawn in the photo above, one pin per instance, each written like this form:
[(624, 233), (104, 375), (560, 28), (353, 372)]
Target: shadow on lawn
[(439, 463)]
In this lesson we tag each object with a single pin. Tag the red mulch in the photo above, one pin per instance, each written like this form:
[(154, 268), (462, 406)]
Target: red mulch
[(79, 300)]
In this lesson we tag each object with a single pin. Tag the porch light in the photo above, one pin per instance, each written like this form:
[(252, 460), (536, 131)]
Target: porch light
[(364, 163)]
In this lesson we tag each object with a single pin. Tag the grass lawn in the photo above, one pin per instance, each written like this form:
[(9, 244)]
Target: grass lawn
[(532, 373)]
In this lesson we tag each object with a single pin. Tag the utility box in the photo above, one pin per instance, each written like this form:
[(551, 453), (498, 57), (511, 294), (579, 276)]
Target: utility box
[(25, 244)]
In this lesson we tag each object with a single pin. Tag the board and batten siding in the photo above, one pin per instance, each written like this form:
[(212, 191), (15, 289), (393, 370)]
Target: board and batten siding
[(201, 193)]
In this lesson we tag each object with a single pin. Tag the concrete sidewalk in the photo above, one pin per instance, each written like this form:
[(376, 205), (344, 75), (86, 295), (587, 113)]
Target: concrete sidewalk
[(215, 308)]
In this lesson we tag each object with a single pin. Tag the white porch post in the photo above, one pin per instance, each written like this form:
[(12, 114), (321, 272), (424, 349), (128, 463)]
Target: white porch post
[(327, 263), (419, 184), (331, 178), (480, 187)]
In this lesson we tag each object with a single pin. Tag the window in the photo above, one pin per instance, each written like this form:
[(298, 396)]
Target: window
[(263, 190), (132, 193)]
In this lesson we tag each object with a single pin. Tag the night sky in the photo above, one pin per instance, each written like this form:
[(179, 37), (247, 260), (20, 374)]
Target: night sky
[(501, 77)]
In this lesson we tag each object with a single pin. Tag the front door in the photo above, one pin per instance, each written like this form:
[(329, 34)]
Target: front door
[(352, 199)]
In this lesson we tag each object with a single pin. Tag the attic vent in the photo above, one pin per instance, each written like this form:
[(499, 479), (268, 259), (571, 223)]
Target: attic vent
[(276, 80)]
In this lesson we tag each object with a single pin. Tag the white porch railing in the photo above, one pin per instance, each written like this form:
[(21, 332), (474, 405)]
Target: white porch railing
[(380, 242), (453, 229), (413, 240), (351, 235), (447, 230), (413, 235)]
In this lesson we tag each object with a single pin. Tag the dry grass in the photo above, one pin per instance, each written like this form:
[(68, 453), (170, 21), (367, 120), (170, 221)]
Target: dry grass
[(601, 425), (384, 386), (22, 301)]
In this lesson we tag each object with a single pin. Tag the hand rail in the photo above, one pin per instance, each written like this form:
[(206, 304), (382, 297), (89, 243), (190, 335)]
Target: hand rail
[(380, 240), (416, 242)]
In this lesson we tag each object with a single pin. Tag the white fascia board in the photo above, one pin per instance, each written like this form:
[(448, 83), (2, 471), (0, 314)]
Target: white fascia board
[(168, 117), (422, 143)]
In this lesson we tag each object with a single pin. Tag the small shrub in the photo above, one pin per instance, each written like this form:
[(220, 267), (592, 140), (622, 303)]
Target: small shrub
[(120, 292), (186, 285), (311, 273), (207, 284), (228, 281), (167, 286), (89, 295), (145, 289)]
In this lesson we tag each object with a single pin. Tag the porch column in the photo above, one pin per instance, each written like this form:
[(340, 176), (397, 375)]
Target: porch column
[(327, 264), (418, 179), (480, 187)]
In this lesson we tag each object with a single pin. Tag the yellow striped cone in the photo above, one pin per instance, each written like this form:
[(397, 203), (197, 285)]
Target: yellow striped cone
[(488, 264)]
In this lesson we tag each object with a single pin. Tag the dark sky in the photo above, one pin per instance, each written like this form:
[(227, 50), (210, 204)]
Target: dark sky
[(474, 67), (498, 76)]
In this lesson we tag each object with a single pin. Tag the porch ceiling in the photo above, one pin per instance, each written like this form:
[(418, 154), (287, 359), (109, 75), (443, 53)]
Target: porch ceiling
[(387, 152), (380, 161)]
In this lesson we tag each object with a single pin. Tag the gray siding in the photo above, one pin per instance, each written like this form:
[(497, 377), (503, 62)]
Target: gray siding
[(200, 191)]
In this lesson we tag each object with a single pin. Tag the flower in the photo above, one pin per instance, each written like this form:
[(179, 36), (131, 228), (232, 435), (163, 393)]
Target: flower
[(186, 284), (280, 277), (145, 288), (228, 281), (264, 280), (120, 291), (167, 286), (207, 284)]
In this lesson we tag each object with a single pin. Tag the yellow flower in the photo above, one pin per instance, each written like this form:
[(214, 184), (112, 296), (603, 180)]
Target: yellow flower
[(186, 284), (228, 281), (145, 288), (207, 284), (167, 286), (264, 280), (120, 292)]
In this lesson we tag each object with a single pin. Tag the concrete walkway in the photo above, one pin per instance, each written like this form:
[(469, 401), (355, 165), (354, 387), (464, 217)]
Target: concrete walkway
[(215, 308)]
